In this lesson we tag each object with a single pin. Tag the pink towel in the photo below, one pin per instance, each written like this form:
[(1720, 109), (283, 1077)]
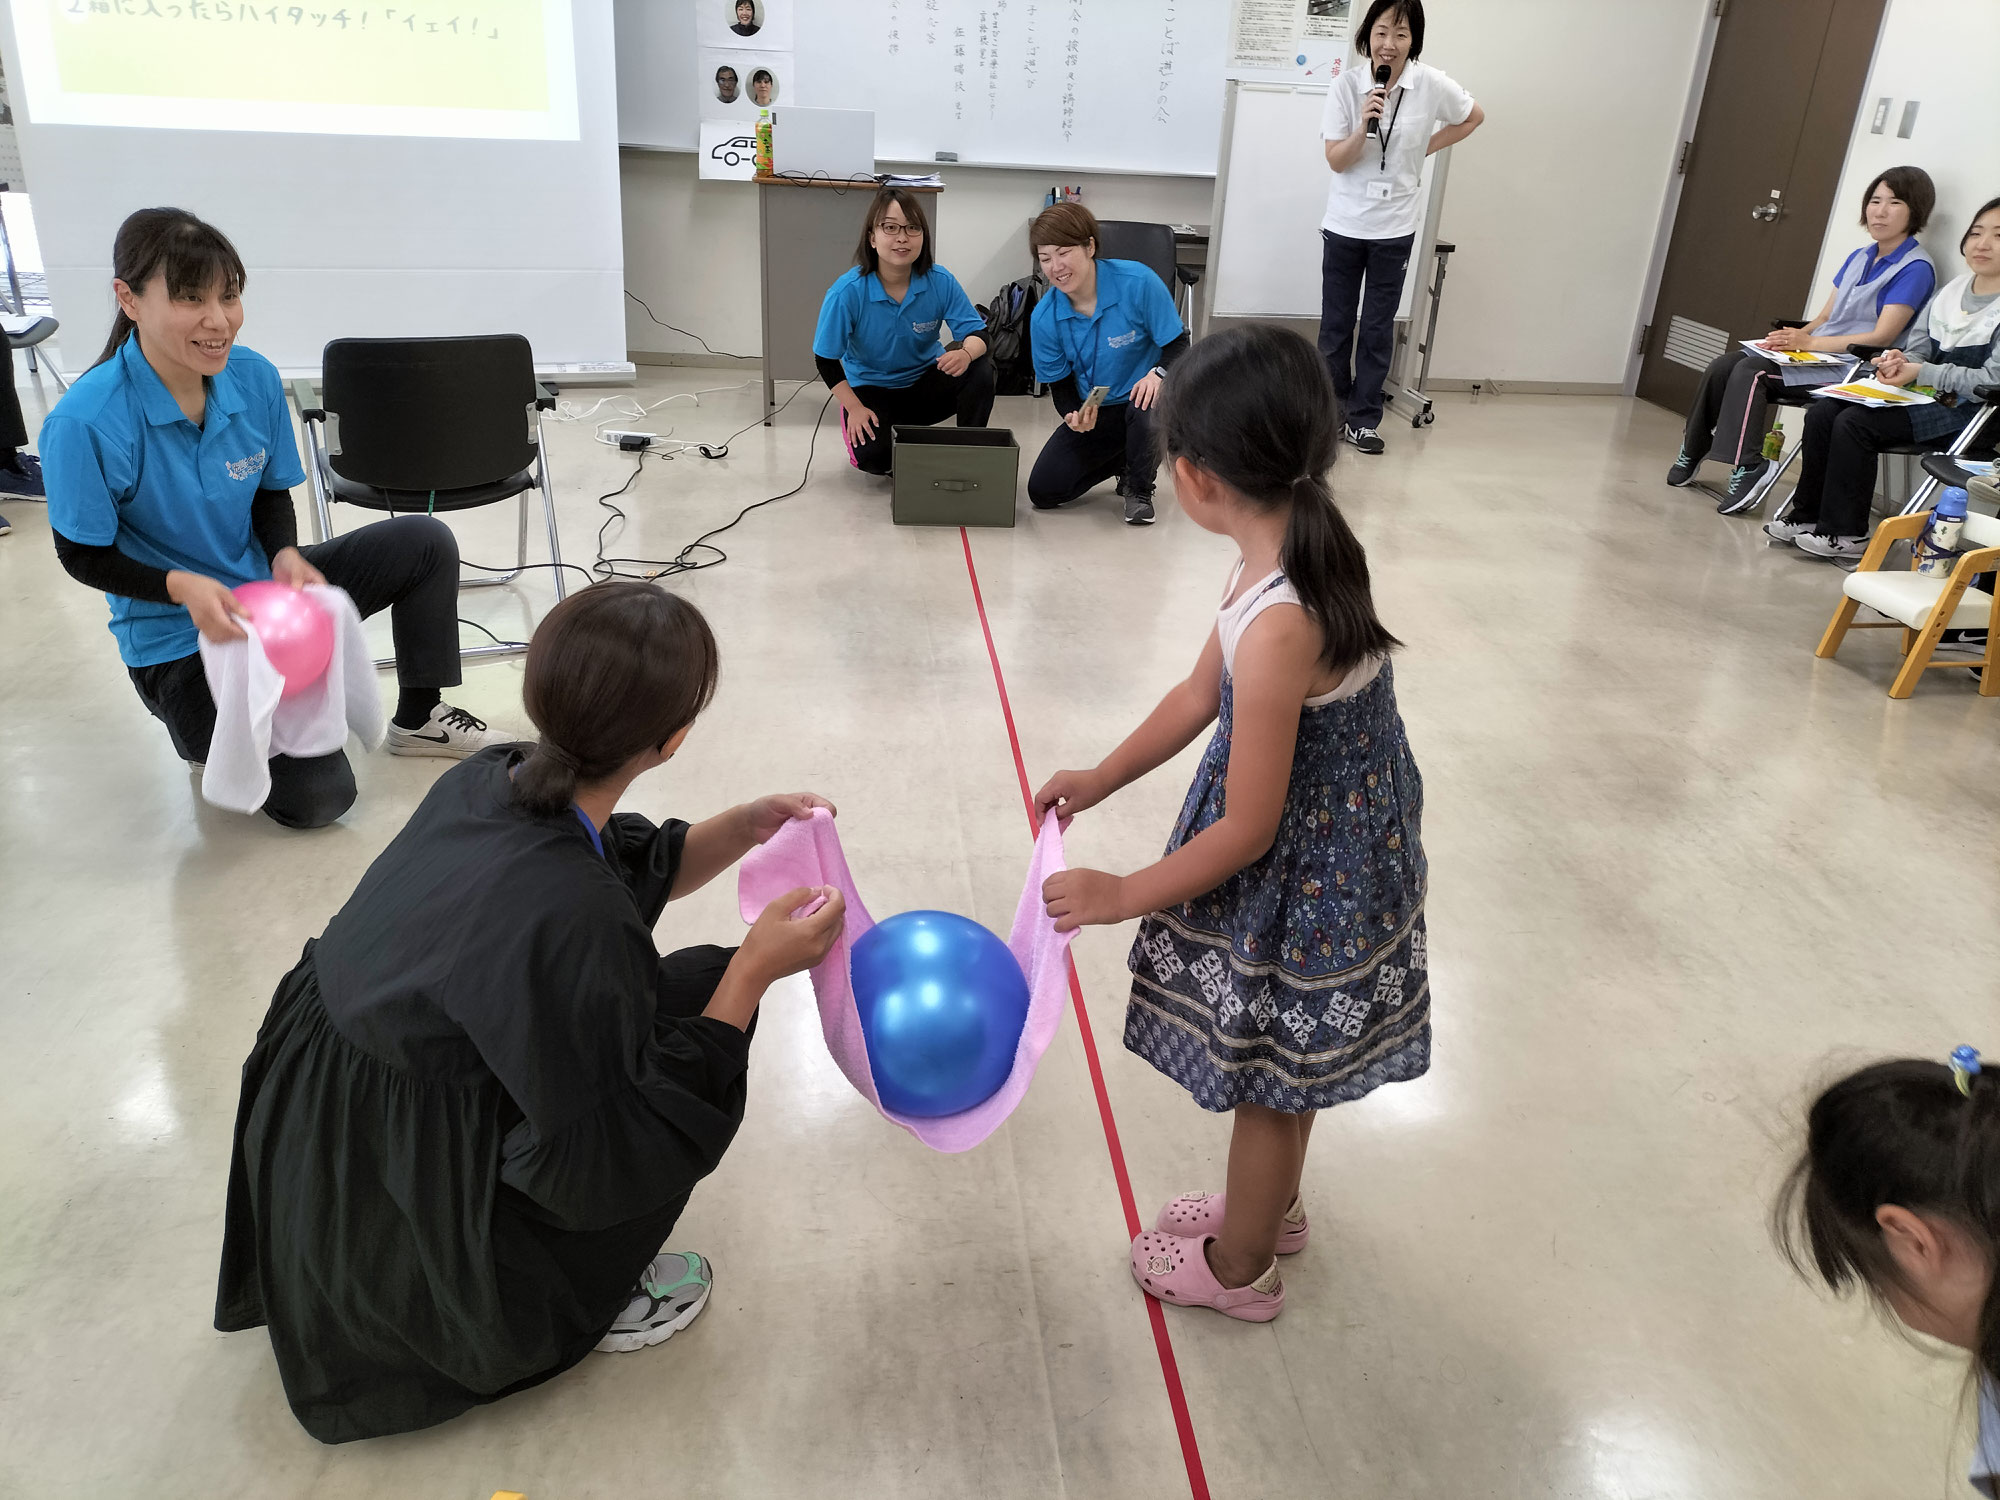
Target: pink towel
[(807, 852)]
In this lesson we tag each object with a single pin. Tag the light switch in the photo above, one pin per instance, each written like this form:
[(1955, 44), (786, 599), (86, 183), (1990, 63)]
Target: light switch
[(1881, 121), (1909, 124)]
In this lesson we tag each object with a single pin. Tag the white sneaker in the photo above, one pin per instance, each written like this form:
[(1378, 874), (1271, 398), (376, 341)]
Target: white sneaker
[(671, 1293), (450, 732), (1834, 548), (1788, 531)]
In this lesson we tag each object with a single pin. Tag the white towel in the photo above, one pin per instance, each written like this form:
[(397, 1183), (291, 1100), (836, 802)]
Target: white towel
[(253, 722)]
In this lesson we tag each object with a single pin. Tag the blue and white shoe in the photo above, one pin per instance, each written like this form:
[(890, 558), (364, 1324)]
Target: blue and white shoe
[(671, 1293)]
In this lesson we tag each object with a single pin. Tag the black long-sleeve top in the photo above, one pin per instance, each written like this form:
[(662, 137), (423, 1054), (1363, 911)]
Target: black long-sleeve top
[(272, 521)]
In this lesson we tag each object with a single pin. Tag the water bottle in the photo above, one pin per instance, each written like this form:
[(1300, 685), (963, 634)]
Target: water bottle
[(763, 156), (1937, 548)]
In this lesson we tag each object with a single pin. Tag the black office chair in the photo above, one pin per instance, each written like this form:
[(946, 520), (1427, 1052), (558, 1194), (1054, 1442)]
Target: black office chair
[(1152, 246), (429, 426)]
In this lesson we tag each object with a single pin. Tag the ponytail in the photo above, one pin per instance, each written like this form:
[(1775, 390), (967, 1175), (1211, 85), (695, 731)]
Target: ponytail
[(1255, 407), (1910, 1132), (122, 328), (617, 669), (169, 242), (545, 783), (1328, 567)]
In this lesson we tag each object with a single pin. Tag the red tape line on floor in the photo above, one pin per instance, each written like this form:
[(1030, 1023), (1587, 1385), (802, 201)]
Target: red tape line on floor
[(1170, 1370)]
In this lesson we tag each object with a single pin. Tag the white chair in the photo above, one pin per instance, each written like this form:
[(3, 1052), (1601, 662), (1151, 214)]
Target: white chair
[(1924, 605)]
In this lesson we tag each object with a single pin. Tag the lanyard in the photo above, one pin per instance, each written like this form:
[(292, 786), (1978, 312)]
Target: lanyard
[(1389, 127)]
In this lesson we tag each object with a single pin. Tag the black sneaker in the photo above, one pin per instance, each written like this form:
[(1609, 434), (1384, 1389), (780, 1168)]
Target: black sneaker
[(1742, 492), (1367, 439), (1683, 471), (23, 477), (1138, 510)]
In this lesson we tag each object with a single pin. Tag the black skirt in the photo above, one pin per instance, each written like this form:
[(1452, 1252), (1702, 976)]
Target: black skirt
[(368, 1227)]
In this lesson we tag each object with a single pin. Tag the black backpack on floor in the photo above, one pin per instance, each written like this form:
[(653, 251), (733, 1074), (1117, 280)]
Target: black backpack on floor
[(1007, 336)]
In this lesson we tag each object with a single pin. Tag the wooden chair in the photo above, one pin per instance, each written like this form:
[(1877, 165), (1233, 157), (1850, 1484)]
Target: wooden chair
[(1924, 606)]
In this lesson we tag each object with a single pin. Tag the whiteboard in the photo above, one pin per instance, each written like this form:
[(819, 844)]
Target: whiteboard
[(1111, 85), (1266, 249)]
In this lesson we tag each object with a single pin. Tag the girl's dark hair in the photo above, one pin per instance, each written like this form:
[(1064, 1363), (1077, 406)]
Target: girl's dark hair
[(912, 206), (1255, 407), (1065, 223), (1898, 1132), (621, 667), (1984, 209), (1911, 184), (173, 243), (1410, 12)]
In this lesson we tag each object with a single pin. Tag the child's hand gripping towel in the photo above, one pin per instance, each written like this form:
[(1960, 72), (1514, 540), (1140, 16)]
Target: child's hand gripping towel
[(253, 723), (807, 852)]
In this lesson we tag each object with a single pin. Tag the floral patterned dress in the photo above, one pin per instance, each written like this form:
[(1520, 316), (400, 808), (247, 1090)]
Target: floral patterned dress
[(1302, 980)]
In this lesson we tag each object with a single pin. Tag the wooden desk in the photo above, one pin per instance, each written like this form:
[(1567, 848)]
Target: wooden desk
[(808, 229)]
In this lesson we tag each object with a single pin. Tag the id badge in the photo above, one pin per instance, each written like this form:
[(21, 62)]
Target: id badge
[(1379, 189)]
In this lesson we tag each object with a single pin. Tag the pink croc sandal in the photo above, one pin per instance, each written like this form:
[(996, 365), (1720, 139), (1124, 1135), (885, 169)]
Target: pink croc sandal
[(1174, 1268), (1201, 1213)]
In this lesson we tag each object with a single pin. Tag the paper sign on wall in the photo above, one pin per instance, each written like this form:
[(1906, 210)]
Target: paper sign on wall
[(728, 150), (765, 25)]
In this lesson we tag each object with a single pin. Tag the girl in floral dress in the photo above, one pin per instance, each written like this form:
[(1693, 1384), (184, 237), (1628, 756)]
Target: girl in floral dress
[(1280, 964)]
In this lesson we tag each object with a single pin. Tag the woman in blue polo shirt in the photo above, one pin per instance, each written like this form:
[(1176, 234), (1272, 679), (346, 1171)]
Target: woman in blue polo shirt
[(880, 345), (169, 468), (1103, 322)]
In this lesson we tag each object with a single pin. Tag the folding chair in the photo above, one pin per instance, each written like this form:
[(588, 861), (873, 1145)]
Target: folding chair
[(25, 331), (1971, 441), (1152, 246), (1922, 605), (429, 426), (1797, 397)]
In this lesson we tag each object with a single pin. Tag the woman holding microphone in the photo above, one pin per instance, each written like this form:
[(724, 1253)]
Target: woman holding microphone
[(1382, 120)]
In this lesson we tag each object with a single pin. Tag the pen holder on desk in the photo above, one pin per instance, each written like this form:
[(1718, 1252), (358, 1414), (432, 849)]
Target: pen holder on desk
[(954, 476)]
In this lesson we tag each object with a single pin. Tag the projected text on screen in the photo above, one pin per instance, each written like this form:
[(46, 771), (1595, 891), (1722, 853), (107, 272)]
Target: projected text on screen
[(492, 69)]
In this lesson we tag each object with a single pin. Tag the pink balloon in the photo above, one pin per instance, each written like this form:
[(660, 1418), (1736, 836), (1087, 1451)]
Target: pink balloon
[(296, 634)]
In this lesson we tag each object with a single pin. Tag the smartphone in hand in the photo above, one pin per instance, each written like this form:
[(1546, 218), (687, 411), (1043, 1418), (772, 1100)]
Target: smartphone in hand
[(1096, 397)]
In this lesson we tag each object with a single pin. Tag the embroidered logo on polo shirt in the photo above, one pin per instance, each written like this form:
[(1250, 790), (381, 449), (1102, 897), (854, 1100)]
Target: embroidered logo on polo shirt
[(1123, 340), (930, 327), (243, 468)]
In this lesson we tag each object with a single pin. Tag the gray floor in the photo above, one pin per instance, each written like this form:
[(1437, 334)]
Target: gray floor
[(1680, 869)]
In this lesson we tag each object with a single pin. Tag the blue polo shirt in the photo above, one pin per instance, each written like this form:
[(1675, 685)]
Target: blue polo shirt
[(1904, 285), (124, 466), (1116, 345), (880, 341)]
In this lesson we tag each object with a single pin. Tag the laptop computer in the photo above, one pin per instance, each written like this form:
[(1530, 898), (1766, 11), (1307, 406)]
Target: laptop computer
[(836, 143)]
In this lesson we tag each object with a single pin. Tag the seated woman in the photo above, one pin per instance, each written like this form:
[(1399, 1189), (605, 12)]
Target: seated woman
[(880, 346), (480, 1099), (1952, 349), (1876, 293), (170, 467), (1107, 323)]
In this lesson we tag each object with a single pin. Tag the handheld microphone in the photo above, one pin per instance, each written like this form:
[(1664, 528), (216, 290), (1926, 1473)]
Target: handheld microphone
[(1381, 82)]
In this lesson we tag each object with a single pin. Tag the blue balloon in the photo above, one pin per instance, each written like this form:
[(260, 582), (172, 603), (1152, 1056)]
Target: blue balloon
[(942, 1004)]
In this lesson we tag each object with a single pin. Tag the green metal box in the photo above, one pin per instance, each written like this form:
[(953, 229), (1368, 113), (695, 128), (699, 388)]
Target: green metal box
[(955, 476)]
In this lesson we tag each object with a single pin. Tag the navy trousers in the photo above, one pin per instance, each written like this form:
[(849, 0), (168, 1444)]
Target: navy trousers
[(1360, 279)]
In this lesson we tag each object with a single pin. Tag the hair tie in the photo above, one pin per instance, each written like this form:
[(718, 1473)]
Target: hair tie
[(559, 755), (1964, 1068)]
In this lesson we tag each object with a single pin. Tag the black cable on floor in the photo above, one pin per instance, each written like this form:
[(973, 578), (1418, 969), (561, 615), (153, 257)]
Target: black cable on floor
[(718, 353), (682, 561)]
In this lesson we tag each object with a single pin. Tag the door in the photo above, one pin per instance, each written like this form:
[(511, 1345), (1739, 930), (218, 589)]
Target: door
[(1776, 115)]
